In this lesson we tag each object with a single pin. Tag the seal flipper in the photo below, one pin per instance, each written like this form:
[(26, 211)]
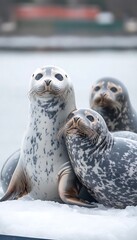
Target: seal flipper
[(17, 186), (69, 187)]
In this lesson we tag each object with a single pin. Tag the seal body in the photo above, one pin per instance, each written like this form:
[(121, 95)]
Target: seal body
[(110, 98), (106, 165), (125, 134), (66, 170), (8, 169), (40, 169), (51, 98), (12, 161)]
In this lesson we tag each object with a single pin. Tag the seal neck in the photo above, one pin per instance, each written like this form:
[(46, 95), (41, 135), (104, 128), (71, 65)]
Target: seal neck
[(51, 102), (105, 143), (90, 146), (51, 110)]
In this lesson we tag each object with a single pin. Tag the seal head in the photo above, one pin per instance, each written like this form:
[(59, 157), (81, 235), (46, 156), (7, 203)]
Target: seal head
[(110, 98)]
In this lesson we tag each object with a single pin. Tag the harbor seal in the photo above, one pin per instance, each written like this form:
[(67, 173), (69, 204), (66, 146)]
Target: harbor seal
[(42, 154), (110, 98), (106, 165)]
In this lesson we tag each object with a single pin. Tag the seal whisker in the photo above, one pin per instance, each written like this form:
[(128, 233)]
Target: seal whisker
[(32, 91)]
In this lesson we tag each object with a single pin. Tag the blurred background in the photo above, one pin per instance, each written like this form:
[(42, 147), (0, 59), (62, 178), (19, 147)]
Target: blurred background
[(48, 17), (89, 39), (79, 18)]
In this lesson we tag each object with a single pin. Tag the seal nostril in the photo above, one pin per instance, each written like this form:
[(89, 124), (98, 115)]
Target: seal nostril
[(47, 82), (76, 119), (103, 94)]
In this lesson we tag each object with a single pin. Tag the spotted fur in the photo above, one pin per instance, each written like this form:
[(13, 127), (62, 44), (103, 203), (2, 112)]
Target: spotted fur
[(106, 165)]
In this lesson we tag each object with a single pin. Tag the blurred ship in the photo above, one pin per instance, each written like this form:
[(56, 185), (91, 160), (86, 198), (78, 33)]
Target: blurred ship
[(58, 19)]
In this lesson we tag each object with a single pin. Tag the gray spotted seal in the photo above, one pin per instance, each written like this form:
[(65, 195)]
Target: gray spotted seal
[(41, 169), (110, 98), (106, 165)]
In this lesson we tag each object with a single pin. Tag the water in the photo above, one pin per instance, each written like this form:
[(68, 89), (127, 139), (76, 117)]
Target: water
[(83, 67)]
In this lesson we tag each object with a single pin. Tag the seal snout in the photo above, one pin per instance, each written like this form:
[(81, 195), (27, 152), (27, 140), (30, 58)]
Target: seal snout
[(102, 97), (103, 94), (76, 119), (47, 81), (47, 84)]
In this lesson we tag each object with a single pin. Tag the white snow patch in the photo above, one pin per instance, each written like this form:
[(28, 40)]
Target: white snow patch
[(44, 219)]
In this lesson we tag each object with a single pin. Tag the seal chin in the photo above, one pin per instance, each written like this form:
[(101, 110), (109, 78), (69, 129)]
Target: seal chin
[(106, 104), (84, 130), (44, 92), (103, 102)]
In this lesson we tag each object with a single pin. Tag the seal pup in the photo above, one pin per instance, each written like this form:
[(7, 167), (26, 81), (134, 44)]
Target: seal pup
[(106, 165), (110, 98), (38, 173)]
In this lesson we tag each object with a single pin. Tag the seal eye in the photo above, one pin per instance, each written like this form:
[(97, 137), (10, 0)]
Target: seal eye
[(97, 88), (113, 89), (38, 76), (59, 76), (90, 118)]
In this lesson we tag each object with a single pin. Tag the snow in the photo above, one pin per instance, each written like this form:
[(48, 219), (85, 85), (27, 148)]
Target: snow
[(26, 217)]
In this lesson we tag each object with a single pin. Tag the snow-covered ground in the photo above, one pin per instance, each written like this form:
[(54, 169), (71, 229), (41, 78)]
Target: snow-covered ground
[(59, 221), (48, 219)]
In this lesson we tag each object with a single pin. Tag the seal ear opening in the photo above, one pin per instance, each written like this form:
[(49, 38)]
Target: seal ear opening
[(17, 186)]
